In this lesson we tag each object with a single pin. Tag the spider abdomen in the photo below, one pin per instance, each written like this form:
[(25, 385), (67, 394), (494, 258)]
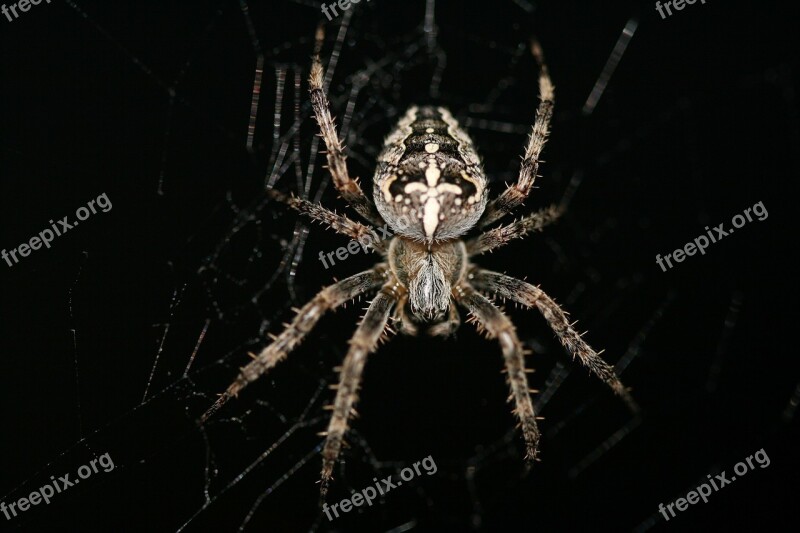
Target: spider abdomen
[(429, 184)]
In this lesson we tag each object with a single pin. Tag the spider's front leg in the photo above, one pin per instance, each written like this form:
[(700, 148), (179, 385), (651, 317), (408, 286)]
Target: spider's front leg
[(364, 341), (515, 194), (498, 326), (307, 317), (530, 296)]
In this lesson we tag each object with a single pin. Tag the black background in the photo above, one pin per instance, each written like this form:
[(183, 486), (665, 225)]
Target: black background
[(698, 123)]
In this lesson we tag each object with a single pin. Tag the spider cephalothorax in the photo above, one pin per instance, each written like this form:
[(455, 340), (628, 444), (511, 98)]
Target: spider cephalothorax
[(429, 187)]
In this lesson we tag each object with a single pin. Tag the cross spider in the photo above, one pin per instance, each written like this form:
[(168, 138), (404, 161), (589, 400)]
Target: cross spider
[(430, 189)]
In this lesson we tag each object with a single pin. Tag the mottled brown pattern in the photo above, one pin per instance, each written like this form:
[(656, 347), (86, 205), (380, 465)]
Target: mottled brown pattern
[(430, 189)]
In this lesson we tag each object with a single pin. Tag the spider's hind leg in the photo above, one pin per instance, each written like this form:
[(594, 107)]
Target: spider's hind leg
[(365, 235), (516, 193), (337, 162), (499, 236)]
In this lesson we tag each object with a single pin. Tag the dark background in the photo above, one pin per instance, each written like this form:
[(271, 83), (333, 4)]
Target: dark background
[(149, 102)]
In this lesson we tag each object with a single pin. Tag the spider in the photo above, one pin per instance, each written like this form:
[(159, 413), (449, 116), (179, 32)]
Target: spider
[(430, 189)]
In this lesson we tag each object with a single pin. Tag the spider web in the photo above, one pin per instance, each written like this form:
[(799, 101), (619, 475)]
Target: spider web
[(247, 262)]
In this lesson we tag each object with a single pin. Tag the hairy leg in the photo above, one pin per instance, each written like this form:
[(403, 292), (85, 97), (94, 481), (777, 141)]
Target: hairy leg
[(362, 344), (494, 238), (498, 326), (307, 317), (529, 296), (515, 194), (338, 223), (337, 162)]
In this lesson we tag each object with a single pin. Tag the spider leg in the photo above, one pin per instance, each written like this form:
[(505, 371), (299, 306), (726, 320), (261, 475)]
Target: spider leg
[(528, 295), (338, 223), (337, 162), (364, 341), (496, 237), (515, 194), (328, 298), (498, 326)]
